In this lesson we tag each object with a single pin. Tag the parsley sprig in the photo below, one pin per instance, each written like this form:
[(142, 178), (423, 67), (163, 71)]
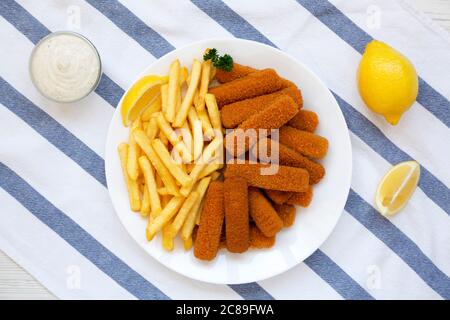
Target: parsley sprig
[(224, 62)]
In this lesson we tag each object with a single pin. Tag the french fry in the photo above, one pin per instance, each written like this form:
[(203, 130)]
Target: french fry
[(133, 152), (174, 139), (184, 75), (173, 167), (212, 74), (145, 203), (189, 223), (199, 213), (197, 133), (132, 185), (187, 137), (187, 244), (152, 128), (144, 142), (195, 173), (167, 238), (213, 111), (174, 84), (196, 100), (210, 168), (204, 83), (187, 101), (206, 124), (163, 138), (165, 215), (163, 191), (208, 153), (164, 95), (150, 183), (178, 221), (155, 106)]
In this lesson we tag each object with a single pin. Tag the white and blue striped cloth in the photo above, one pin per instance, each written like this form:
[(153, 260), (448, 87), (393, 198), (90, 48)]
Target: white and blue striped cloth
[(56, 218)]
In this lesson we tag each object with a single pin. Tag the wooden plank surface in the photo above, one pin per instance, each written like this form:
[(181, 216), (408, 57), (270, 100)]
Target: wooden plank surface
[(16, 283)]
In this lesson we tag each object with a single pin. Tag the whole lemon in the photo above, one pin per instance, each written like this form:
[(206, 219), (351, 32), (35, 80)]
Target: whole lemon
[(387, 81)]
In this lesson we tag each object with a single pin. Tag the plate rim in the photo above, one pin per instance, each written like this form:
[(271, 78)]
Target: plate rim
[(349, 162)]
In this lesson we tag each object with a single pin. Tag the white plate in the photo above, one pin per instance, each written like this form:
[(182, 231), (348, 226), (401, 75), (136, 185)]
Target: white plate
[(313, 224)]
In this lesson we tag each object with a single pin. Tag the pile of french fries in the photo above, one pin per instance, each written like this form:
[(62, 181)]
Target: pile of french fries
[(174, 151)]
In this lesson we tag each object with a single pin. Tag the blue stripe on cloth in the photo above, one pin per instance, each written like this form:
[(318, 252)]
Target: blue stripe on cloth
[(328, 270), (231, 21), (77, 237), (251, 291), (399, 243), (375, 138), (110, 91), (34, 30), (348, 31), (432, 183), (51, 130), (148, 38)]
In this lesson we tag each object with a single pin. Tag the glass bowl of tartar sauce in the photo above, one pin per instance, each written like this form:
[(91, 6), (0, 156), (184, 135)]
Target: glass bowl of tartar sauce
[(65, 66)]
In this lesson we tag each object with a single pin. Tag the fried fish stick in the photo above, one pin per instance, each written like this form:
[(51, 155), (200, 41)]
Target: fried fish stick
[(291, 158), (236, 214), (301, 198), (305, 120), (238, 71), (263, 214), (269, 176), (132, 185), (307, 143), (280, 111), (235, 113), (278, 197), (287, 213), (208, 236), (258, 240), (255, 84)]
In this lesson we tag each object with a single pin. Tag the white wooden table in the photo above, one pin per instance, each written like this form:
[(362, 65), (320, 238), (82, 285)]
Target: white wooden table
[(16, 283)]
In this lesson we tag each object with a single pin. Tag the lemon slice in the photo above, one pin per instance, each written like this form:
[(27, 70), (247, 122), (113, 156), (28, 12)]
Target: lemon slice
[(396, 187), (140, 96)]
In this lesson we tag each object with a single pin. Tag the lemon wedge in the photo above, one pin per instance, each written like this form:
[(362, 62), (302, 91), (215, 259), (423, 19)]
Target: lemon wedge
[(387, 81), (140, 96), (396, 187)]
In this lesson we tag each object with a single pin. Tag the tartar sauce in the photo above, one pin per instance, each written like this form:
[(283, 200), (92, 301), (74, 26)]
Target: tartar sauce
[(65, 67)]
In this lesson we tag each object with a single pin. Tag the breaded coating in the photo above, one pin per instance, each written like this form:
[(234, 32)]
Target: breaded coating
[(278, 197), (267, 176), (262, 212), (255, 84), (236, 214), (301, 198), (307, 143), (258, 240), (291, 158), (305, 120), (208, 235), (287, 213), (280, 111), (234, 114), (238, 71)]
